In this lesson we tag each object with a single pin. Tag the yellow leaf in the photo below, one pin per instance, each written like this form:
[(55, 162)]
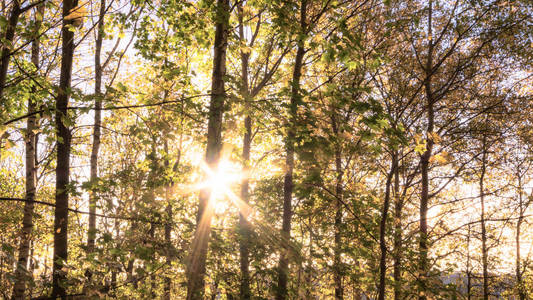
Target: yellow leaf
[(435, 137), (420, 148), (246, 49), (77, 14), (441, 158)]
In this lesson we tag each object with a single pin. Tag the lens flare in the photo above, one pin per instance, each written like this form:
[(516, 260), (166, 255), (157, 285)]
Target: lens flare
[(219, 182)]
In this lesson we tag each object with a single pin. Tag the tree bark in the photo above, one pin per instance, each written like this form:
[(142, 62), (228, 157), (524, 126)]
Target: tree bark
[(382, 231), (245, 292), (423, 266), (91, 235), (337, 259), (198, 255), (398, 207), (168, 231), (63, 155), (521, 210), (9, 35), (283, 267), (21, 273), (468, 271), (484, 250)]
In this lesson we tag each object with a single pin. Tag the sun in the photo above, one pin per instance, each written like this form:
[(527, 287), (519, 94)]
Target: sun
[(219, 181)]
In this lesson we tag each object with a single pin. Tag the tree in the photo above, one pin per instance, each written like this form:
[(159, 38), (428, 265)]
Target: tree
[(302, 149), (63, 153), (198, 254), (295, 100), (91, 232), (31, 171)]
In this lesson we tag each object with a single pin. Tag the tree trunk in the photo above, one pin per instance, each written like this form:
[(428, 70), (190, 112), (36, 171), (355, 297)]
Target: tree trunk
[(245, 292), (468, 272), (198, 255), (283, 267), (382, 231), (168, 232), (91, 235), (167, 289), (337, 260), (519, 280), (423, 266), (484, 250), (151, 236), (21, 273), (9, 35), (398, 207), (63, 155)]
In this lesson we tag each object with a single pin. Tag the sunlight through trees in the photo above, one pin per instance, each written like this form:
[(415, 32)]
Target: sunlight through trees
[(266, 149)]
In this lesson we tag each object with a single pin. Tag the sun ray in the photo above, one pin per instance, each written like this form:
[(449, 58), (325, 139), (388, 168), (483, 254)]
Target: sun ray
[(216, 190)]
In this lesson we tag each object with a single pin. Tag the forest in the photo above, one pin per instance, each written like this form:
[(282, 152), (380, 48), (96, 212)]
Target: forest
[(266, 149)]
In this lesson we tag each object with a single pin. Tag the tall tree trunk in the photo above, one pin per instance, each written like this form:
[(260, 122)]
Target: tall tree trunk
[(167, 289), (283, 267), (244, 225), (168, 232), (63, 155), (519, 280), (32, 265), (382, 231), (91, 234), (423, 265), (9, 35), (168, 228), (198, 255), (337, 260), (21, 273), (308, 271), (398, 207), (151, 236), (130, 277), (468, 271), (484, 250), (245, 292)]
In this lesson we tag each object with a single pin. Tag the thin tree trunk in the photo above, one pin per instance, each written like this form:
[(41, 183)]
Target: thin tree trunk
[(382, 231), (151, 235), (468, 272), (21, 273), (484, 250), (519, 280), (168, 233), (308, 271), (63, 156), (91, 235), (113, 267), (398, 207), (283, 267), (244, 225), (245, 292), (9, 35), (198, 254), (167, 289), (423, 266), (32, 266), (337, 260), (130, 278)]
